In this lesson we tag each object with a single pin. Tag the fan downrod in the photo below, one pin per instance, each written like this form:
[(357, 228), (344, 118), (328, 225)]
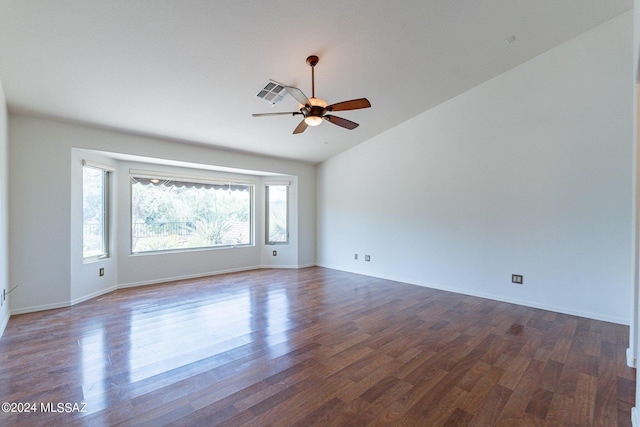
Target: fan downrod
[(313, 61)]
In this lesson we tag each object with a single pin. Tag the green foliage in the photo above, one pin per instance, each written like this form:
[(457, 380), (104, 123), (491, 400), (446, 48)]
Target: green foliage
[(93, 210), (278, 222), (158, 243), (195, 217), (212, 230), (277, 196)]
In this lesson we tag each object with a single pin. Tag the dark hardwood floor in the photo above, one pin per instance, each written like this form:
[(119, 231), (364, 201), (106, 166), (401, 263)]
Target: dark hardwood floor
[(311, 347)]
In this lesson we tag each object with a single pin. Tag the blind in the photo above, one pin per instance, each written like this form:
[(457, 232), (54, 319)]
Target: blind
[(96, 165), (184, 181)]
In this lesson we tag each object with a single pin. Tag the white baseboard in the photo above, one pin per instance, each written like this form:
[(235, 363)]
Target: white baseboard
[(288, 267), (43, 307), (114, 288), (185, 277), (563, 310), (306, 265), (631, 361), (63, 304), (136, 284), (92, 295)]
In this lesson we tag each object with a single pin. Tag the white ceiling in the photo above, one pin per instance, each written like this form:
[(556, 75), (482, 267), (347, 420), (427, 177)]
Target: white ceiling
[(189, 70)]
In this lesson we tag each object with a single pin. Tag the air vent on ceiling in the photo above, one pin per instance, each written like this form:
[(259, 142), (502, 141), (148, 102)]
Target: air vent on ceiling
[(272, 92)]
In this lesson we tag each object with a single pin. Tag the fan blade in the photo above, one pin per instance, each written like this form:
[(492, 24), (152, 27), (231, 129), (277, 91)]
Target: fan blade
[(289, 113), (354, 104), (298, 95), (300, 128), (348, 124)]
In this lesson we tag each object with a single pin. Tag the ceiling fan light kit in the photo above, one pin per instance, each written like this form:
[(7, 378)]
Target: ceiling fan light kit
[(314, 110), (313, 120)]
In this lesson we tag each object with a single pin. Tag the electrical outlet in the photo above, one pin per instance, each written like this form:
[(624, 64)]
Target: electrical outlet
[(367, 258), (101, 272), (355, 256), (275, 253), (517, 279)]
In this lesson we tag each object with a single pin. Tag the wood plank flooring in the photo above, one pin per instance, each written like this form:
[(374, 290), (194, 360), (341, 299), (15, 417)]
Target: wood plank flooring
[(311, 347)]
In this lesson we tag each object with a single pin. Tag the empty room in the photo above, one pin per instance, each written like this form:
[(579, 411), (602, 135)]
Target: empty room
[(240, 213)]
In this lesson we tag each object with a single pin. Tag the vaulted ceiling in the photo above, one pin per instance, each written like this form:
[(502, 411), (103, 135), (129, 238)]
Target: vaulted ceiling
[(189, 70)]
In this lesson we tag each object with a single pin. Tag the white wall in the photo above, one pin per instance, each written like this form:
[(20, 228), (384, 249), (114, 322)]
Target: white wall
[(45, 194), (632, 353), (4, 213), (528, 173)]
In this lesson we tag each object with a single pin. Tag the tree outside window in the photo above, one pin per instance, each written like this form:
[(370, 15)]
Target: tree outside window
[(277, 218), (169, 214), (94, 212)]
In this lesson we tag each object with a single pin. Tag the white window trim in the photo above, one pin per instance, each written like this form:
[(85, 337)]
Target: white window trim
[(108, 169), (96, 165), (198, 179), (267, 210)]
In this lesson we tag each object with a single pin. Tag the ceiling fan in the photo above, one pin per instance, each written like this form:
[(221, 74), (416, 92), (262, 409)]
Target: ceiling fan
[(314, 110)]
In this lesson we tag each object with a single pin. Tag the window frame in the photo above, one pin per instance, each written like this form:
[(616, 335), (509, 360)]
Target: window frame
[(106, 209), (196, 180), (267, 214)]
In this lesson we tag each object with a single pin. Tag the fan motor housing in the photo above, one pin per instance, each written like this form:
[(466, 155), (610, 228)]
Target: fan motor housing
[(313, 111)]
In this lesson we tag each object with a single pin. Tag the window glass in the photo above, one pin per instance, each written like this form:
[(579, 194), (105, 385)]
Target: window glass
[(171, 214), (277, 218), (94, 212)]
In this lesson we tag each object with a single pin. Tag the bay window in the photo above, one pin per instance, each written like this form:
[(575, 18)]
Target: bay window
[(179, 213)]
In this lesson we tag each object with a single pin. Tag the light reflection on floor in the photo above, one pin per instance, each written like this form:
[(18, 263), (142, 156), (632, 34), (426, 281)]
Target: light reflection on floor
[(165, 339), (149, 338), (95, 365), (161, 340)]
